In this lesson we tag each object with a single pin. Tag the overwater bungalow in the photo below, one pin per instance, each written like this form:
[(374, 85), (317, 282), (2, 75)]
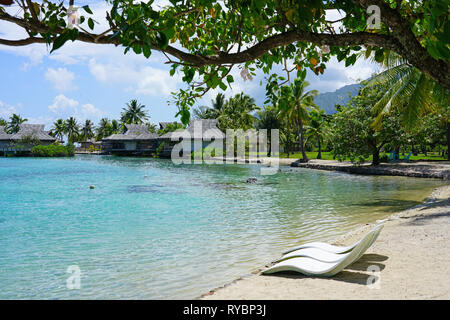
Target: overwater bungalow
[(202, 132), (135, 140), (28, 136), (86, 145), (5, 138)]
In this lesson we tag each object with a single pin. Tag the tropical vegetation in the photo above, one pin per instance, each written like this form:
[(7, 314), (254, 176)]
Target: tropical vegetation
[(53, 150), (204, 40), (14, 123), (295, 104), (134, 113)]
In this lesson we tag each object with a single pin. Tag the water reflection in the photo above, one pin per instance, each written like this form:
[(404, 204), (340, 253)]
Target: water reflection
[(152, 230)]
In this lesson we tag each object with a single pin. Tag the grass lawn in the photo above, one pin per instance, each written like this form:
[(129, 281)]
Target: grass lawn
[(329, 156)]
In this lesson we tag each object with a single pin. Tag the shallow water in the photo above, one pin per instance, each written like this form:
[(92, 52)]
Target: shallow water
[(153, 230)]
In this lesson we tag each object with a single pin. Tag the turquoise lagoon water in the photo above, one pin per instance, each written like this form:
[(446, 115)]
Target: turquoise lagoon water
[(153, 230)]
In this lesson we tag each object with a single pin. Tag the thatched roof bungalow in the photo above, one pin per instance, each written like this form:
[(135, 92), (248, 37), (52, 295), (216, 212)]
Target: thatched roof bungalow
[(22, 140), (204, 130), (5, 138), (136, 139), (90, 142), (34, 131)]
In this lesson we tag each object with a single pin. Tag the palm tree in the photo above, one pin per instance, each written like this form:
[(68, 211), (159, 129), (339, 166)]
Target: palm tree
[(171, 127), (116, 127), (134, 113), (316, 128), (3, 122), (102, 129), (268, 119), (295, 104), (217, 104), (59, 129), (151, 127), (409, 91), (72, 129), (237, 113), (87, 130), (202, 112), (14, 123), (287, 137)]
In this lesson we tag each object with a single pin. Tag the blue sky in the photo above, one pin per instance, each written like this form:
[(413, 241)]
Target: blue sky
[(91, 81)]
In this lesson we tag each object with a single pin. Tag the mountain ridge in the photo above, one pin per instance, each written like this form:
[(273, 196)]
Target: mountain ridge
[(328, 100)]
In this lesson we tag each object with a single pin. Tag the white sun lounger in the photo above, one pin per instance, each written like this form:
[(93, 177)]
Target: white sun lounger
[(309, 265), (328, 256), (332, 248)]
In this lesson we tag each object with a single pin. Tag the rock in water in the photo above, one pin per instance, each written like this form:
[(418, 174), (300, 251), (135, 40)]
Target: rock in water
[(251, 180), (91, 186)]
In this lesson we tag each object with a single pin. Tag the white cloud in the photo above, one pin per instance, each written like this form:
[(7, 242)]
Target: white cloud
[(6, 110), (61, 78), (64, 107), (43, 119), (138, 78), (89, 111)]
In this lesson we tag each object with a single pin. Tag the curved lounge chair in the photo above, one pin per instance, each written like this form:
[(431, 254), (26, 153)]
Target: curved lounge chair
[(311, 266), (332, 248), (327, 256)]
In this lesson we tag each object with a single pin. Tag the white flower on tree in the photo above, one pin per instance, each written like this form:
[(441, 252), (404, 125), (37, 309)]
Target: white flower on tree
[(72, 17), (245, 74), (325, 49)]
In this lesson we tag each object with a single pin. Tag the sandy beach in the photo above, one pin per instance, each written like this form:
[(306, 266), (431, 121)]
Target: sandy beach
[(412, 255)]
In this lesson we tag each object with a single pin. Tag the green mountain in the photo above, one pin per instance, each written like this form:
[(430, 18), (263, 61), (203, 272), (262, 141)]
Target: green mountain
[(328, 100)]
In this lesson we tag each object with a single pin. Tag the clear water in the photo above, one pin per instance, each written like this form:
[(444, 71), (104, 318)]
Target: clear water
[(153, 230)]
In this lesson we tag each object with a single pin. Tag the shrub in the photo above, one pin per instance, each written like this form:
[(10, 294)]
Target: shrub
[(384, 158), (53, 150), (159, 149)]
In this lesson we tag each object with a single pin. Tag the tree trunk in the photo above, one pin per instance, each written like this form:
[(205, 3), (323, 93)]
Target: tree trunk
[(397, 153), (424, 149), (414, 151), (376, 157), (448, 140), (302, 146), (319, 156)]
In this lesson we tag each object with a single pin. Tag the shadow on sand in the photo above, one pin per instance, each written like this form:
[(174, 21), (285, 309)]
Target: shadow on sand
[(349, 274)]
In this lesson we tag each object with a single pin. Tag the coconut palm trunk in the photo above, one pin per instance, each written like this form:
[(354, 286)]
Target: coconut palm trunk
[(448, 140), (302, 142), (319, 155)]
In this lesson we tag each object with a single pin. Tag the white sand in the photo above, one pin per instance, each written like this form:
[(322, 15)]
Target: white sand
[(412, 253)]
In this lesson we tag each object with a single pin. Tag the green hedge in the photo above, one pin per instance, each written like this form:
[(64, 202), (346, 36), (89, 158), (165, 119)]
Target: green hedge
[(53, 150)]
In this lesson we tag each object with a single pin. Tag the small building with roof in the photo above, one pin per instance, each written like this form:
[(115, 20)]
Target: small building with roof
[(5, 138), (136, 139), (33, 131), (27, 137), (201, 132), (86, 145)]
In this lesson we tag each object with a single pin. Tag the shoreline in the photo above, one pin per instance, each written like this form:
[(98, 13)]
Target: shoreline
[(418, 169), (413, 240)]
